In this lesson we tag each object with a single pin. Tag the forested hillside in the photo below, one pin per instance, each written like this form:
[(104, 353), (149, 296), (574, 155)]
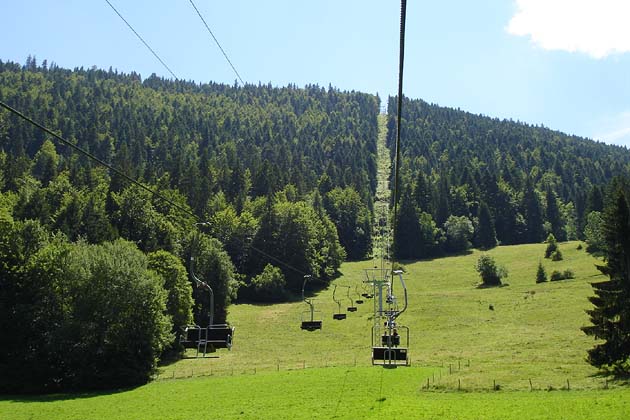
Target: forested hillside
[(274, 183), (473, 179), (263, 186), (218, 149)]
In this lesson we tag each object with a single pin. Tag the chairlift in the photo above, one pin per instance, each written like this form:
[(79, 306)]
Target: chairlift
[(309, 321), (350, 308), (358, 301), (390, 341), (339, 315), (212, 337)]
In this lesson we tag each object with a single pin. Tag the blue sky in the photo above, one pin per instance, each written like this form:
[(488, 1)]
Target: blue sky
[(561, 63)]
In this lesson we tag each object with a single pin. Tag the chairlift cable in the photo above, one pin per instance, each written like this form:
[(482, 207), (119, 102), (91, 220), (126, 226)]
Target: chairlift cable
[(133, 181), (217, 42), (142, 39), (403, 15)]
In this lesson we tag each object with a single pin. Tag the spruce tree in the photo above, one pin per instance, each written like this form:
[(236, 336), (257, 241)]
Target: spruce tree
[(533, 214), (541, 274), (486, 234), (408, 229), (611, 314), (554, 217)]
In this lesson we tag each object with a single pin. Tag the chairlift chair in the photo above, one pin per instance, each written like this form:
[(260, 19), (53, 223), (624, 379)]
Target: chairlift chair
[(350, 308), (212, 337), (310, 322), (339, 315), (390, 341)]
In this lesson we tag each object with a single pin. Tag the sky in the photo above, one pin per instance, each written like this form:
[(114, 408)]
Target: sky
[(564, 64)]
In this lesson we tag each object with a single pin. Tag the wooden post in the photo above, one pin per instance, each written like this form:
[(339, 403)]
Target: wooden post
[(427, 383), (568, 386), (494, 384), (459, 384), (303, 364), (531, 388), (450, 369)]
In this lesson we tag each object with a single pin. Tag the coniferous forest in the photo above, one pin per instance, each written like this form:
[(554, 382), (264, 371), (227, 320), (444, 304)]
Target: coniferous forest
[(276, 183), (470, 180)]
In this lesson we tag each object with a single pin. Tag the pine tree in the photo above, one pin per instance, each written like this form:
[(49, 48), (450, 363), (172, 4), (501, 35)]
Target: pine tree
[(486, 235), (533, 214), (407, 228), (422, 194), (554, 217), (541, 274), (611, 315)]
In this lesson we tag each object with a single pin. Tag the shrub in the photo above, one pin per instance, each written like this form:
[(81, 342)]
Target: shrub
[(552, 245), (556, 256), (579, 247), (541, 275), (269, 285), (490, 273), (564, 275)]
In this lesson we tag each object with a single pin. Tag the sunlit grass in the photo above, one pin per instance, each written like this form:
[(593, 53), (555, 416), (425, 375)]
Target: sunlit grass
[(460, 351)]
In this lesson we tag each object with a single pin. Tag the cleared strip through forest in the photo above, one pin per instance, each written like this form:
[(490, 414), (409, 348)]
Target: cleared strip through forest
[(383, 193)]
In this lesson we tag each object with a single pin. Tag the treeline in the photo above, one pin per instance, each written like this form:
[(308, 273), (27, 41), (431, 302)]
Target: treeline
[(283, 179), (473, 180), (216, 148)]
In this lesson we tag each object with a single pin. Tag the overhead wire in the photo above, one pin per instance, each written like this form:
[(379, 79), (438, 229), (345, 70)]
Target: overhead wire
[(132, 180), (403, 16), (96, 159), (142, 39), (217, 42)]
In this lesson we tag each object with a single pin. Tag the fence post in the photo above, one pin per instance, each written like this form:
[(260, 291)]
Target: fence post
[(459, 384), (450, 369), (568, 386), (531, 388)]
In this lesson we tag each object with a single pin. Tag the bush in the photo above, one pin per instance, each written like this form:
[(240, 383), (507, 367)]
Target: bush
[(541, 275), (556, 256), (579, 247), (490, 273), (552, 245), (564, 275), (104, 314), (269, 285)]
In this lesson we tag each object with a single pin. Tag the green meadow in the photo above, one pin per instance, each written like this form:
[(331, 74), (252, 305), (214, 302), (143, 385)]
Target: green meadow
[(511, 352)]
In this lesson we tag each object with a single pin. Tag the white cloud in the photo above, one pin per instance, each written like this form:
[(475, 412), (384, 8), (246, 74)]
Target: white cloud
[(594, 27)]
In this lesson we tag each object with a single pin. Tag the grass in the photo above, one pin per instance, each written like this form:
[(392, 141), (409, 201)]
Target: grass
[(457, 342), (343, 393)]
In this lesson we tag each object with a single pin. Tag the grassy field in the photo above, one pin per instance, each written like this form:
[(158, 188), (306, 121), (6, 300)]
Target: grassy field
[(459, 347)]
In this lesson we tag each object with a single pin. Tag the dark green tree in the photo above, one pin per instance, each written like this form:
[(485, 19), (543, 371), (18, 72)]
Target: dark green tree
[(610, 317), (554, 217), (352, 219), (533, 214), (541, 274), (408, 231), (179, 300), (485, 236)]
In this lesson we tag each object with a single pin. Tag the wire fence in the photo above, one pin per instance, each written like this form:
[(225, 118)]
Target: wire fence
[(452, 375)]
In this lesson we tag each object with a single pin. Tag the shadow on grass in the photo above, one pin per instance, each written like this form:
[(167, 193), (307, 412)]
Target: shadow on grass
[(65, 396), (616, 376)]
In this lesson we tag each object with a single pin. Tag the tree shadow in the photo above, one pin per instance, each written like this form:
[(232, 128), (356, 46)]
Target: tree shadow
[(64, 396), (618, 376)]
